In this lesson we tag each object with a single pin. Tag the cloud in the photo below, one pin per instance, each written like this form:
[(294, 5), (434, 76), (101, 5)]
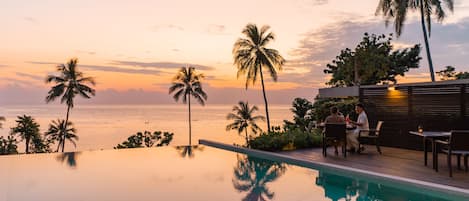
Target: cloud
[(30, 19), (160, 65), (1, 66), (86, 52), (33, 77), (42, 63), (121, 70), (216, 29), (449, 46), (167, 27)]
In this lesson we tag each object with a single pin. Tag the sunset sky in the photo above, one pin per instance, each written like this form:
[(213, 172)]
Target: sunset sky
[(133, 48)]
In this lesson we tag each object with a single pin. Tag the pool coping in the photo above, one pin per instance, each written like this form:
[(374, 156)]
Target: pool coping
[(319, 165)]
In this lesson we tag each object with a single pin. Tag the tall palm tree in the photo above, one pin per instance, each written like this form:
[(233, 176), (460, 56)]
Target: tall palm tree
[(1, 119), (397, 10), (185, 84), (253, 174), (27, 129), (251, 56), (243, 119), (69, 83), (57, 130)]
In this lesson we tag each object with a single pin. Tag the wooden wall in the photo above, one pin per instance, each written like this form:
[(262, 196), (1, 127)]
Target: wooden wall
[(436, 108)]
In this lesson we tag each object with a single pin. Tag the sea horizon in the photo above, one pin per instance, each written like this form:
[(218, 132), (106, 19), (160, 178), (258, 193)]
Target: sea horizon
[(104, 126)]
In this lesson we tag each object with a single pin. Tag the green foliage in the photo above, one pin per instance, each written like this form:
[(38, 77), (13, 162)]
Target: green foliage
[(277, 140), (147, 139), (449, 73), (8, 145), (302, 114), (345, 106), (373, 61)]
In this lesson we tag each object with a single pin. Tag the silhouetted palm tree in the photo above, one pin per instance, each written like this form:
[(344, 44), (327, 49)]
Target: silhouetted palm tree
[(57, 130), (185, 84), (188, 151), (251, 56), (2, 119), (27, 129), (253, 174), (397, 10), (69, 83), (243, 119)]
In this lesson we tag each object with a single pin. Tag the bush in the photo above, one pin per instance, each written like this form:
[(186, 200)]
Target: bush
[(286, 140)]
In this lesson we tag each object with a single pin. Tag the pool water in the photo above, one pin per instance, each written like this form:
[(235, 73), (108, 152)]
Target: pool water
[(182, 173)]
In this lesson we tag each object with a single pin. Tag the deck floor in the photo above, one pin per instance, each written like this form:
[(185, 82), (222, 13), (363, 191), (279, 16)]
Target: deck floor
[(393, 161)]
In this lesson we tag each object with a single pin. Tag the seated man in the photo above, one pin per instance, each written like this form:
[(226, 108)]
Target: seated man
[(361, 123), (335, 118)]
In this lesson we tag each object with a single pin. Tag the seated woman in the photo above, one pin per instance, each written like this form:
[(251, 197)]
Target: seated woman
[(335, 118)]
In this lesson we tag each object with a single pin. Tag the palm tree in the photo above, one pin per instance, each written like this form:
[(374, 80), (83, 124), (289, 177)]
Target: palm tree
[(397, 10), (253, 174), (251, 55), (1, 119), (57, 130), (243, 119), (69, 83), (27, 129), (185, 84)]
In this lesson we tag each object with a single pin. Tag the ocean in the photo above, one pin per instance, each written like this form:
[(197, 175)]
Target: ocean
[(105, 126)]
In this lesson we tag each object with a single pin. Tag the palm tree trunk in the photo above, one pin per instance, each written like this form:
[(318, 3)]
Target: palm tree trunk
[(190, 126), (27, 145), (65, 128), (427, 45), (265, 101)]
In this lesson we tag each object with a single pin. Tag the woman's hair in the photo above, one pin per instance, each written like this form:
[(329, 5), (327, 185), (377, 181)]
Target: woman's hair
[(360, 105), (334, 110)]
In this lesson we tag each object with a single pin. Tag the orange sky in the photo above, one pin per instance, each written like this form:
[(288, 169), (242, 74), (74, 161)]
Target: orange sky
[(128, 45)]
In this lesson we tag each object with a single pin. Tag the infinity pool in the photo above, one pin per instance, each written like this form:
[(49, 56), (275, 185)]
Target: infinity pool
[(183, 173)]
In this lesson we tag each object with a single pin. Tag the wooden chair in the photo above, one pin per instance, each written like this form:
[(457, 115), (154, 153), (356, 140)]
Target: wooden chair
[(334, 133), (458, 144), (373, 134)]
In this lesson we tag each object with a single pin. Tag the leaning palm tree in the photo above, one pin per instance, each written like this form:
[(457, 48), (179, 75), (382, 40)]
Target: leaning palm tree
[(251, 56), (397, 10), (243, 119), (1, 119), (69, 83), (58, 129), (27, 128), (185, 84)]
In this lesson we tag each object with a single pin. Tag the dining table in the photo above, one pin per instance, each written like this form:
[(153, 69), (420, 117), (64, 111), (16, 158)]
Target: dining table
[(431, 136)]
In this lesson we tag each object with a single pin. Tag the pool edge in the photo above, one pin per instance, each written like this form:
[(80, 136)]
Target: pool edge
[(315, 164)]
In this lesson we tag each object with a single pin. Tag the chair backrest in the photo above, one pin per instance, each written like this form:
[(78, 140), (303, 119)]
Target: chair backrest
[(335, 130), (459, 140), (378, 127)]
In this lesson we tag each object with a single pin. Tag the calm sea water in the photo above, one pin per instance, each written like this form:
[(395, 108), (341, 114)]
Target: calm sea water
[(104, 126)]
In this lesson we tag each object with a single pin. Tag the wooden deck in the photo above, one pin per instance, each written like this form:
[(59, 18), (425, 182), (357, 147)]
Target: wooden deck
[(393, 161)]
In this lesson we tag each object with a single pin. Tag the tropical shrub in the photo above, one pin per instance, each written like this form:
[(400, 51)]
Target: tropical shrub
[(287, 139), (302, 114), (8, 145), (147, 139)]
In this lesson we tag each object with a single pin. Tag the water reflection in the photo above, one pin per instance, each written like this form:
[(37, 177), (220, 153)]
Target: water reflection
[(252, 175), (188, 150), (70, 157), (337, 187)]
